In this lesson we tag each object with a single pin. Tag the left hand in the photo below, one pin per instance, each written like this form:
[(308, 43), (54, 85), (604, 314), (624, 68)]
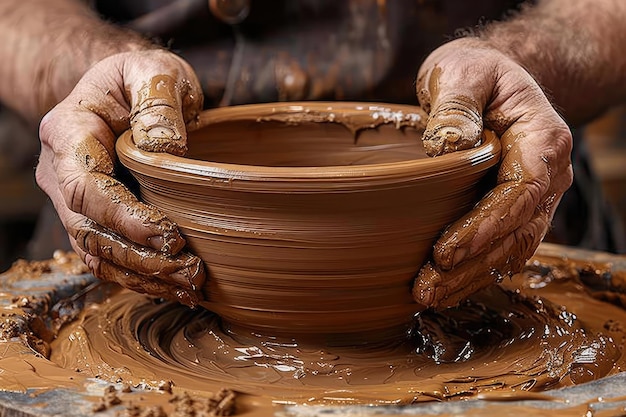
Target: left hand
[(464, 85)]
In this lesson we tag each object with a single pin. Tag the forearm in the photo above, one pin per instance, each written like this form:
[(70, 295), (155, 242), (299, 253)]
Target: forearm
[(574, 49), (47, 46)]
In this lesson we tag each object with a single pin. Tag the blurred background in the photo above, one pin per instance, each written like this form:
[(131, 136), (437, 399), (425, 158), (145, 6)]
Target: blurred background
[(21, 201), (24, 210)]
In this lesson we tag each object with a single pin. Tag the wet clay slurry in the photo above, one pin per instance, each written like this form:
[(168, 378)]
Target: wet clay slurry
[(544, 329), (458, 353), (312, 218), (502, 343)]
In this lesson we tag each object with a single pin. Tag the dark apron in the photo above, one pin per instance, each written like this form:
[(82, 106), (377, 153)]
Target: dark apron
[(306, 49)]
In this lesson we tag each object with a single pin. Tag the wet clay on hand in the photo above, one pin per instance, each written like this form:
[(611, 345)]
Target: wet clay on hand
[(159, 115), (120, 238), (164, 271), (454, 124), (174, 277)]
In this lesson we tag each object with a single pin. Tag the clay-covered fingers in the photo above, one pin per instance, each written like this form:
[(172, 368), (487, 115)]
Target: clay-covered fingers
[(142, 283), (454, 99), (161, 107), (502, 231), (178, 278), (184, 269), (533, 174), (439, 288), (146, 284), (161, 94)]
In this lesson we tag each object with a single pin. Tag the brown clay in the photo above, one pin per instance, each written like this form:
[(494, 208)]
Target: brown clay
[(312, 218), (542, 330), (502, 344)]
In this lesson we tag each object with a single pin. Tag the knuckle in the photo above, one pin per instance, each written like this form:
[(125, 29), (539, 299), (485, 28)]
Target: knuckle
[(534, 191), (558, 159), (73, 189), (563, 141), (81, 236), (568, 178), (118, 220), (82, 232), (47, 126), (42, 178), (94, 264)]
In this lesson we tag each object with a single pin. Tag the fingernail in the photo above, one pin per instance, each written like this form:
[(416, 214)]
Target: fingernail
[(459, 256), (433, 145), (187, 298), (156, 242), (163, 132), (191, 276), (173, 242), (450, 134), (197, 274), (170, 243), (425, 296), (425, 285), (162, 139)]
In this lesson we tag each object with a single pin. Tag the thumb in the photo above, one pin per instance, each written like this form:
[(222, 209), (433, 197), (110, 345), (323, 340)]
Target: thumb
[(161, 106), (455, 103)]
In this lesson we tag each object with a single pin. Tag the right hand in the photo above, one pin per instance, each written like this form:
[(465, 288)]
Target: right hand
[(119, 238)]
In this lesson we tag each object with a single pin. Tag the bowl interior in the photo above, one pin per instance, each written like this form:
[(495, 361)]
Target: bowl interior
[(310, 135), (308, 144)]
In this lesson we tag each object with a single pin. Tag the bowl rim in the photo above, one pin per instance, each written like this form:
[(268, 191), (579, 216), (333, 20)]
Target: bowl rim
[(175, 167)]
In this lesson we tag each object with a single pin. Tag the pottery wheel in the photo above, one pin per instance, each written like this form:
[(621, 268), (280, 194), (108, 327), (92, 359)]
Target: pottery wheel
[(40, 300)]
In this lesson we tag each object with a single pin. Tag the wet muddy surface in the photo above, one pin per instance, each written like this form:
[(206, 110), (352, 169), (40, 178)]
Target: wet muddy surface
[(555, 325)]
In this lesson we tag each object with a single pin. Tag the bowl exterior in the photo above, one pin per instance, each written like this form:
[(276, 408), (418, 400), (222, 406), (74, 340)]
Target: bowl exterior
[(334, 259)]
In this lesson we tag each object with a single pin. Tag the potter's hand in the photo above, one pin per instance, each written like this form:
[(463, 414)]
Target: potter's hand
[(118, 237), (463, 85)]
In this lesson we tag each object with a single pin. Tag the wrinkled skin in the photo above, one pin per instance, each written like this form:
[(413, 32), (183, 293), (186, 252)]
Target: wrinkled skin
[(464, 85), (119, 238)]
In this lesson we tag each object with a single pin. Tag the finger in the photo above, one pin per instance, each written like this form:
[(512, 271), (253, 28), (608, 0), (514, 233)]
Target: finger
[(454, 99), (497, 214), (183, 270), (110, 272), (160, 108), (437, 288)]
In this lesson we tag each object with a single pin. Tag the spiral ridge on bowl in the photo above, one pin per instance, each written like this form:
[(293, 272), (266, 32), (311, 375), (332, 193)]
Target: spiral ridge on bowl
[(312, 218)]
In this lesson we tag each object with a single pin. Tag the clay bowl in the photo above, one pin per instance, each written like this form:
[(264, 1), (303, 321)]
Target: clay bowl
[(312, 218)]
